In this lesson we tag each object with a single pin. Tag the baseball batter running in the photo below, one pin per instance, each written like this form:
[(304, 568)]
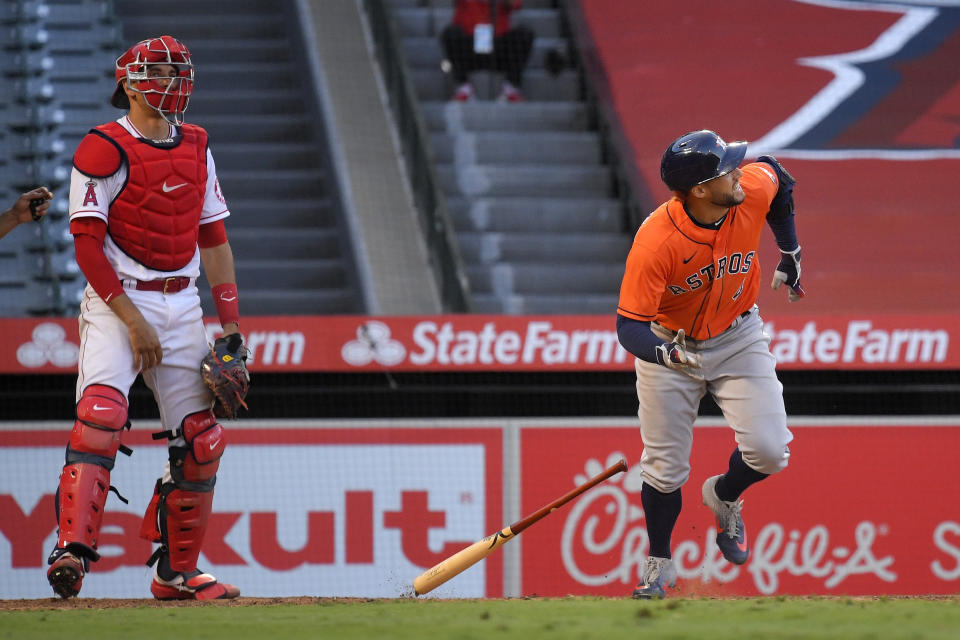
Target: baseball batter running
[(145, 212), (687, 311)]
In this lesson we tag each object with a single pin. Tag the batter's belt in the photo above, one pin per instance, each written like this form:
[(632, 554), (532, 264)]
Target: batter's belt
[(659, 328)]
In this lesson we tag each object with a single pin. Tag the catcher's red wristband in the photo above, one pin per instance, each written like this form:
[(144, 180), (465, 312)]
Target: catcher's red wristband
[(225, 298)]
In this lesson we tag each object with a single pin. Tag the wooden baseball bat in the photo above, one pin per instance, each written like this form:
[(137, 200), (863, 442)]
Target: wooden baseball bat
[(466, 558)]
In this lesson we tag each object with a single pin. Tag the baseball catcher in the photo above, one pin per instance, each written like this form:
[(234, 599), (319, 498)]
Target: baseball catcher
[(147, 214), (224, 371)]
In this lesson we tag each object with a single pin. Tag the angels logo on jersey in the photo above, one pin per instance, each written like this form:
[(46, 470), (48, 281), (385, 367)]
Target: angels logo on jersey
[(90, 196)]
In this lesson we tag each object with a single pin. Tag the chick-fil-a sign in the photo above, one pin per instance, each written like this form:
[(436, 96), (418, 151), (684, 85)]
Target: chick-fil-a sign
[(860, 510)]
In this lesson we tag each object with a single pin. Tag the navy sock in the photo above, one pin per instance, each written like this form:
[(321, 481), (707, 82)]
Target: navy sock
[(660, 511), (738, 477)]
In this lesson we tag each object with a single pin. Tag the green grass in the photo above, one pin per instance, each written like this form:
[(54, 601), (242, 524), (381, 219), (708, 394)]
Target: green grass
[(564, 618)]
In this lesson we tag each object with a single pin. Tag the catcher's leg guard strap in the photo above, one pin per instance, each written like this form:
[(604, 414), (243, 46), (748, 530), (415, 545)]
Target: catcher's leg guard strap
[(101, 417), (80, 499), (194, 467)]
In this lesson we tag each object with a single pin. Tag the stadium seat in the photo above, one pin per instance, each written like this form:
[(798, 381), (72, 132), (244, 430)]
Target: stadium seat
[(529, 192), (28, 63)]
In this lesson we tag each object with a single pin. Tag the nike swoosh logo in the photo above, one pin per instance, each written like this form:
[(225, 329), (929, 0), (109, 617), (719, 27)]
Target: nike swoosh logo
[(97, 407), (214, 444), (742, 545), (167, 189), (690, 258)]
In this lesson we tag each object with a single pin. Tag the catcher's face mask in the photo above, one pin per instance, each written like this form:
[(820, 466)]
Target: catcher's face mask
[(161, 71)]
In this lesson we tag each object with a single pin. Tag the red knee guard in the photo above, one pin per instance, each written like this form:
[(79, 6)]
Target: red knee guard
[(101, 417), (80, 499), (205, 442)]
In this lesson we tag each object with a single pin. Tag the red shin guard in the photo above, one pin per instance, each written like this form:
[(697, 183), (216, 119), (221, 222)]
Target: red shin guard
[(82, 494), (186, 514)]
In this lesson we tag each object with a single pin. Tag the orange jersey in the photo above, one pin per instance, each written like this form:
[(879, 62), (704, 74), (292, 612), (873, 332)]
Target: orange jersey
[(684, 276)]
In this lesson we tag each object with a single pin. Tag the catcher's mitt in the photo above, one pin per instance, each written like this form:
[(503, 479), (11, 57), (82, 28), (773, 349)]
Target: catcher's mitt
[(224, 371)]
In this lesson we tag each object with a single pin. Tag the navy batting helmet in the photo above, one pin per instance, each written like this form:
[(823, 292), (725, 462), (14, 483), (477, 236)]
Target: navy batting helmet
[(697, 157)]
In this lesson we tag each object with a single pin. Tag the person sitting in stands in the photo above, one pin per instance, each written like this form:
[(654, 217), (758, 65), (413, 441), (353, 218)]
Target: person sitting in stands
[(480, 37)]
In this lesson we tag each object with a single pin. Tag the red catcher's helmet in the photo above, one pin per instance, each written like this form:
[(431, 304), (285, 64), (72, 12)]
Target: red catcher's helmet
[(170, 99)]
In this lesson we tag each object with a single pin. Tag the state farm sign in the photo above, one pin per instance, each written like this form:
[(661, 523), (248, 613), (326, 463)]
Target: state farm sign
[(510, 343), (858, 342), (577, 343)]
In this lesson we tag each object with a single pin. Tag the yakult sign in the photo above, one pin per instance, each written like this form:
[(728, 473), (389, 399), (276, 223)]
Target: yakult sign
[(333, 512), (846, 525), (510, 343)]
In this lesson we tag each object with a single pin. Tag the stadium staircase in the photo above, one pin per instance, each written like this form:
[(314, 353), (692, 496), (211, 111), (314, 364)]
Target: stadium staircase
[(292, 254), (538, 226), (256, 102), (54, 86)]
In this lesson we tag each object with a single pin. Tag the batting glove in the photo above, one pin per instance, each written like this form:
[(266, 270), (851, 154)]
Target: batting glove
[(675, 355), (788, 272)]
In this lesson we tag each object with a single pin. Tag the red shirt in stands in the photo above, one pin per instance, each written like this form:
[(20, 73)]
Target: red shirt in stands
[(469, 13)]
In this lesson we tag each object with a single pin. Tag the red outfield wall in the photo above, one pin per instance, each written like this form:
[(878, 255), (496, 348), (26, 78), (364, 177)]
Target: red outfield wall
[(348, 508)]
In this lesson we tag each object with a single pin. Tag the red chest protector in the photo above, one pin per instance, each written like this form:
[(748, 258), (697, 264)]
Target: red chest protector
[(156, 216)]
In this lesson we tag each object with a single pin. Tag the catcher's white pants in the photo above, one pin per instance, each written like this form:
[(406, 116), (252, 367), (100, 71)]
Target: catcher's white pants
[(107, 358), (739, 372)]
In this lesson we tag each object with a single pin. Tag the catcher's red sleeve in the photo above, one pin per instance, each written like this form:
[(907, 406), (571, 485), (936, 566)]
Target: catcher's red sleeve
[(88, 234), (212, 234)]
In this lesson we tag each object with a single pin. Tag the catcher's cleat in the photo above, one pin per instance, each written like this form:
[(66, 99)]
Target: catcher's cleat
[(731, 534), (659, 574), (195, 585), (65, 573)]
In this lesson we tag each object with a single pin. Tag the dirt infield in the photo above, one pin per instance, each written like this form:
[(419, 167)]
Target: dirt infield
[(135, 603)]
